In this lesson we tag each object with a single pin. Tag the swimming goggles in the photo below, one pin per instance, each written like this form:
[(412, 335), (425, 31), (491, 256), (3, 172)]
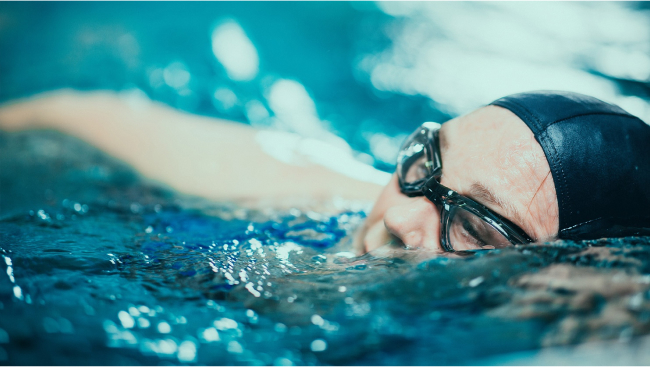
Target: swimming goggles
[(465, 223)]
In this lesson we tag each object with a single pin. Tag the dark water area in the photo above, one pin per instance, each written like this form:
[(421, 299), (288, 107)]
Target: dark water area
[(103, 267)]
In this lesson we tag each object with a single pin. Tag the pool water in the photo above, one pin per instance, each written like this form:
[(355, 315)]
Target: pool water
[(103, 267), (124, 272)]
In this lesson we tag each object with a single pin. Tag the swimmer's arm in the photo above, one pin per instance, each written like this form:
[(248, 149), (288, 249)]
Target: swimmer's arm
[(197, 155)]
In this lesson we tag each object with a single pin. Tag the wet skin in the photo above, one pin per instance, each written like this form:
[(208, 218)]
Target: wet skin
[(489, 155)]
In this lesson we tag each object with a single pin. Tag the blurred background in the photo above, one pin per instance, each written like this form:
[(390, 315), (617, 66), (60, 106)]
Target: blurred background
[(366, 72)]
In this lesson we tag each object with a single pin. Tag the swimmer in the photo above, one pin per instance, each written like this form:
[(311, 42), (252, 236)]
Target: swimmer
[(530, 167), (527, 168)]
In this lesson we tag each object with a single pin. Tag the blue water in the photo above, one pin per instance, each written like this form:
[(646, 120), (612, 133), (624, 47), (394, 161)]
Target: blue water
[(102, 267), (123, 272)]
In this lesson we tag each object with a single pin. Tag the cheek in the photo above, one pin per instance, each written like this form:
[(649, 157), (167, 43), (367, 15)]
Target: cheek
[(390, 196)]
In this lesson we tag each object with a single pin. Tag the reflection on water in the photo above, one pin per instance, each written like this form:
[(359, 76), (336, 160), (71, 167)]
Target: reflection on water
[(102, 268)]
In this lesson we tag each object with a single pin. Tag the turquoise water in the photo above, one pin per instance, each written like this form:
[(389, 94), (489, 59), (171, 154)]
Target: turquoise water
[(103, 267)]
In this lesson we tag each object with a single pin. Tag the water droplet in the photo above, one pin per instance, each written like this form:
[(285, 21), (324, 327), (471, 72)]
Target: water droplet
[(110, 327), (318, 345), (126, 319), (235, 347), (10, 274), (135, 208), (210, 335), (251, 288), (167, 346), (42, 214), (164, 328), (187, 351), (225, 324), (317, 320), (143, 323), (144, 309), (476, 281), (280, 327), (176, 75), (18, 293), (243, 276), (134, 311)]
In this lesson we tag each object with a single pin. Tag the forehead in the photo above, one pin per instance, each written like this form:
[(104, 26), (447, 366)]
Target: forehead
[(491, 130), (494, 148)]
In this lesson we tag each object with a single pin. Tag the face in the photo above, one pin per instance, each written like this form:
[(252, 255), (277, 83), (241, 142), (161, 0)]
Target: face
[(490, 156)]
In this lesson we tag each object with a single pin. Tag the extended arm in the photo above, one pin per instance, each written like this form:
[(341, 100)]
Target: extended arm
[(203, 156)]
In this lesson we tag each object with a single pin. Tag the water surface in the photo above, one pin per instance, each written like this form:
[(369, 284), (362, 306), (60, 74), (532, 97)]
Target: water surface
[(125, 272)]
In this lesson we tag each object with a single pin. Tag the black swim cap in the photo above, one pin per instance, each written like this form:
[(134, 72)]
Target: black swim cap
[(600, 161)]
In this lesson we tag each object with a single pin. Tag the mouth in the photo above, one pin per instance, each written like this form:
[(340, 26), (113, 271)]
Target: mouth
[(395, 242), (392, 243)]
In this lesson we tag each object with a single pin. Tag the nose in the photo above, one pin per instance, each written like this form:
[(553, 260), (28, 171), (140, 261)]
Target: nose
[(416, 222)]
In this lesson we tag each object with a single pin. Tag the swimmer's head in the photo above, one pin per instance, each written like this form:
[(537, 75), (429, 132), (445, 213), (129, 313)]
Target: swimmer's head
[(554, 164)]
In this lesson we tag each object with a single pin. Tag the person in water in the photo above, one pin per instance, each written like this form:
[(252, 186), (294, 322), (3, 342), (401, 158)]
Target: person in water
[(530, 167)]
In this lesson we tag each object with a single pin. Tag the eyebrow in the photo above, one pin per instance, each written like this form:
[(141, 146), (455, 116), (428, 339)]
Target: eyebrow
[(484, 194)]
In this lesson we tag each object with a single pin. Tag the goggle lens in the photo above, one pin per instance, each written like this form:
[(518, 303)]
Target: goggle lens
[(466, 225), (415, 160), (469, 232)]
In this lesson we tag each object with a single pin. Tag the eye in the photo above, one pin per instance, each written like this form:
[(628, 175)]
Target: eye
[(474, 234), (417, 170), (468, 231)]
